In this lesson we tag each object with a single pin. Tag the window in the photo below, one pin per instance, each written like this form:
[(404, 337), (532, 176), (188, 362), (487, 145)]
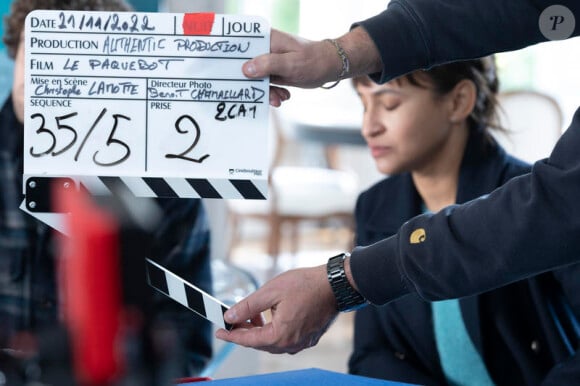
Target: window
[(550, 67)]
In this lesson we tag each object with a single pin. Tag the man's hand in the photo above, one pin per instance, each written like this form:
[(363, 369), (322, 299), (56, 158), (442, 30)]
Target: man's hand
[(302, 308), (294, 61)]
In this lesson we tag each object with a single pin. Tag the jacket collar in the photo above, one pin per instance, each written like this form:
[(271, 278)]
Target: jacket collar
[(480, 173)]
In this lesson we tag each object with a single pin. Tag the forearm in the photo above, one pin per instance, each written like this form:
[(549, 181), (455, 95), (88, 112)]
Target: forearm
[(294, 61), (419, 34), (362, 52)]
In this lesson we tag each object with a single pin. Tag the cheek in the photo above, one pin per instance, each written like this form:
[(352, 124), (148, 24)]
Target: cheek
[(408, 134), (18, 85), (18, 100), (418, 133), (404, 137)]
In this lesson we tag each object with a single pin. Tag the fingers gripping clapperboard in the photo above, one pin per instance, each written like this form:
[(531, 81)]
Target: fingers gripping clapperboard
[(155, 102)]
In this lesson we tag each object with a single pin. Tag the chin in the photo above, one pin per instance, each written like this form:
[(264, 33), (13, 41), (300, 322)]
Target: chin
[(387, 164), (387, 169)]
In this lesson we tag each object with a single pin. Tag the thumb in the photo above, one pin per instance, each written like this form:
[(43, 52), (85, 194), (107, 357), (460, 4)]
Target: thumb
[(249, 308), (273, 63)]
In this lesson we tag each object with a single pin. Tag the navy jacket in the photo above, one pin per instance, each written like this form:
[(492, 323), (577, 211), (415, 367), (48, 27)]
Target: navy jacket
[(511, 326)]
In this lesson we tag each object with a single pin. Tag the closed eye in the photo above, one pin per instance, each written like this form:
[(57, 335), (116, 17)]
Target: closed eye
[(391, 106)]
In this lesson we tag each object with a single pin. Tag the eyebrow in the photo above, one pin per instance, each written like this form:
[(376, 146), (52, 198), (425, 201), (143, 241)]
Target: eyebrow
[(383, 91), (386, 91)]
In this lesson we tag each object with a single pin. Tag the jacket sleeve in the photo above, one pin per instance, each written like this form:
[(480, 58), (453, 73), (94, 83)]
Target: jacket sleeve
[(528, 226), (419, 34)]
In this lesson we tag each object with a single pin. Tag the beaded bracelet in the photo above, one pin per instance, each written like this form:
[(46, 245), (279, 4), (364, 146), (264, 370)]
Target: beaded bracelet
[(345, 63)]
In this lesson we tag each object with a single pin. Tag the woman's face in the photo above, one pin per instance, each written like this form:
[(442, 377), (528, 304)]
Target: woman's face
[(406, 127), (18, 82)]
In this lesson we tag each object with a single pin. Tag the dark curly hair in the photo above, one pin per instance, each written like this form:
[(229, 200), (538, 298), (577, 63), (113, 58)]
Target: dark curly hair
[(20, 8)]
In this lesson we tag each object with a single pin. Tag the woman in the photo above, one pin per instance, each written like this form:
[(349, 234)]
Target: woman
[(429, 130)]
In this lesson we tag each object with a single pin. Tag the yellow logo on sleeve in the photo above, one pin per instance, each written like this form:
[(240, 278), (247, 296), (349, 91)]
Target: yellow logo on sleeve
[(418, 236)]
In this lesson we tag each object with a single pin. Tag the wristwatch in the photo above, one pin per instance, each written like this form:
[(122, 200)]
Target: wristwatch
[(347, 298)]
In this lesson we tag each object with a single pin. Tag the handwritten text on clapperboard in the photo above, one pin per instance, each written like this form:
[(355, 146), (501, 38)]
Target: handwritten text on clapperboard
[(144, 94)]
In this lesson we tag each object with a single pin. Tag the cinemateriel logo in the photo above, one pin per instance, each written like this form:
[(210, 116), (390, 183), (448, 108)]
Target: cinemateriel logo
[(557, 22), (255, 172)]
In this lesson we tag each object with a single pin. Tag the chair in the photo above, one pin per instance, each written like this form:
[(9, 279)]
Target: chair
[(296, 194), (534, 123)]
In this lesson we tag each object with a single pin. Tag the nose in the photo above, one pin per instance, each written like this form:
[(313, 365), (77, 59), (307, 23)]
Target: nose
[(371, 125)]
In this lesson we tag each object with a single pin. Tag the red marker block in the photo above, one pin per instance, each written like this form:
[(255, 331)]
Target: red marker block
[(92, 290), (198, 23)]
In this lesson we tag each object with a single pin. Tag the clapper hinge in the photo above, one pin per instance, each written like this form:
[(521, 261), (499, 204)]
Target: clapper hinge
[(40, 190)]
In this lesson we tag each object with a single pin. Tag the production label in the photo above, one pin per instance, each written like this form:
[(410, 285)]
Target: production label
[(144, 95)]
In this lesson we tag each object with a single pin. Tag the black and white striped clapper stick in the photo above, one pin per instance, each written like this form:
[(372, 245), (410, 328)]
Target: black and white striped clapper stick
[(186, 294)]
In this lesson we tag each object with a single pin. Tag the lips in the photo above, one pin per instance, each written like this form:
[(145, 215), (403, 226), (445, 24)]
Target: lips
[(380, 151)]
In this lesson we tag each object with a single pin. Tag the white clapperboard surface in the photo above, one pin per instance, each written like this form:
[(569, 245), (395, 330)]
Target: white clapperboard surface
[(157, 101), (153, 102)]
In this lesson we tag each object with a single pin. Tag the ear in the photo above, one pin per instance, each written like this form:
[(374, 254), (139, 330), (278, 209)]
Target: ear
[(463, 98)]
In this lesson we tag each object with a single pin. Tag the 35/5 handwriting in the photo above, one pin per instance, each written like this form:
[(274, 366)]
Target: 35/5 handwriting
[(63, 127)]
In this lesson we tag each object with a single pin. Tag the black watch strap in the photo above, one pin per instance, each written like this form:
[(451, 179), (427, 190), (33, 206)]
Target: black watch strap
[(347, 298)]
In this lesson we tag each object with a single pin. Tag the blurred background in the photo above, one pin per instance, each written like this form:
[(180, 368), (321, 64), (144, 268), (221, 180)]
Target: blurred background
[(320, 162)]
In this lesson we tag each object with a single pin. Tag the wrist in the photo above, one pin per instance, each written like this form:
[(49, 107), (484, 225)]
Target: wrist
[(362, 52), (346, 295), (348, 272), (339, 63)]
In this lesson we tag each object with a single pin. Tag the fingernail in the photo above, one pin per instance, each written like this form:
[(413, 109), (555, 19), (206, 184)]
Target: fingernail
[(230, 316), (275, 102), (251, 69), (221, 333)]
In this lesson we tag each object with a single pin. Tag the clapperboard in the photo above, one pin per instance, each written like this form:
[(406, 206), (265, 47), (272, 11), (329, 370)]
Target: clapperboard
[(186, 294), (151, 104)]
